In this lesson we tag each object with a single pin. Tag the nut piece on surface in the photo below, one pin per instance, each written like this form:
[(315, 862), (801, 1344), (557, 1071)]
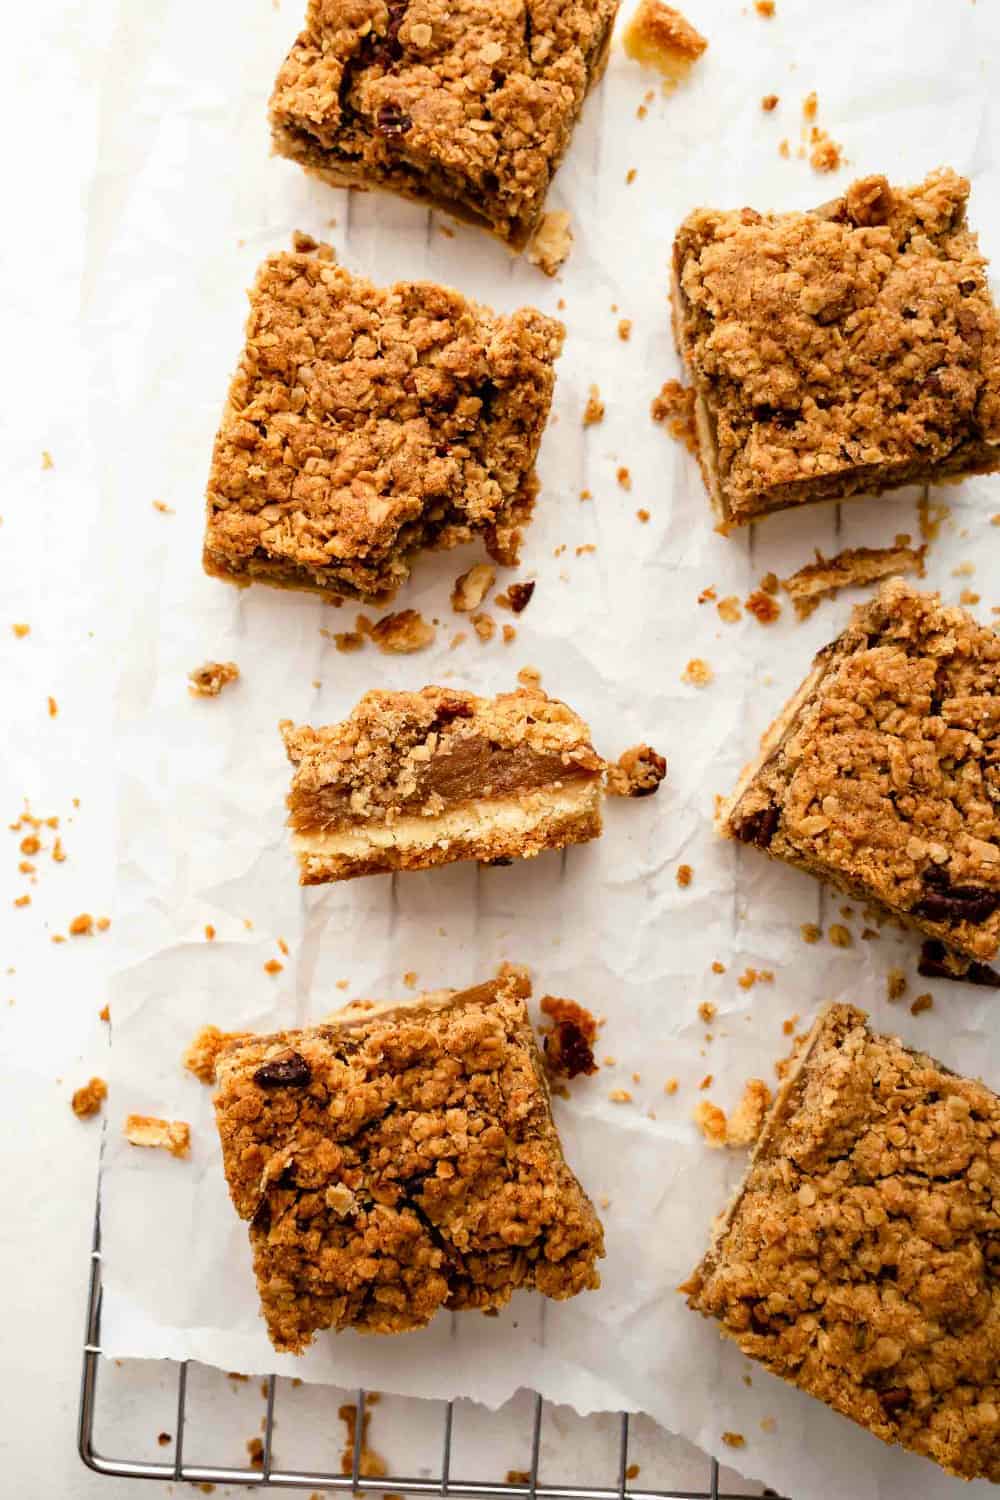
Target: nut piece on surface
[(662, 38), (208, 680), (638, 772), (403, 632), (146, 1130), (552, 242), (88, 1099), (472, 587)]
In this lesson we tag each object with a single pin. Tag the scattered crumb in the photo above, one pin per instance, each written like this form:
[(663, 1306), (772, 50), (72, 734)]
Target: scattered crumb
[(209, 932), (718, 968), (707, 596), (620, 1096), (104, 1014), (637, 772), (764, 8), (685, 875), (660, 37), (47, 459), (969, 596), (509, 634), (729, 609), (921, 1003), (964, 570), (568, 1043), (145, 1130), (88, 1099), (706, 1082), (810, 105), (273, 966), (630, 176), (670, 1087), (24, 900), (21, 631), (163, 507), (767, 1424), (736, 1439), (410, 978), (552, 242), (624, 329), (163, 1438), (707, 1011), (769, 102), (255, 1448), (484, 626), (472, 587), (202, 1051), (674, 407), (102, 924), (53, 707), (208, 680), (788, 1026), (750, 977), (930, 516), (518, 1476), (632, 1472), (784, 150), (530, 677), (457, 639), (371, 1465), (826, 154), (593, 412), (623, 477), (642, 514), (405, 631), (82, 926), (855, 565), (763, 607), (840, 937), (348, 640), (895, 984), (519, 595), (810, 932), (697, 673), (770, 583)]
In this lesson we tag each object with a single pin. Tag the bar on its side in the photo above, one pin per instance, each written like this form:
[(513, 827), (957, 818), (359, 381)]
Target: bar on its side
[(464, 106), (858, 1259), (882, 772), (413, 780), (852, 349), (365, 424), (402, 1158)]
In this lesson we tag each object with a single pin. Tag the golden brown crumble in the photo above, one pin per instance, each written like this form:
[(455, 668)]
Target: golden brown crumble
[(82, 926), (418, 427), (763, 606), (882, 779), (896, 984), (203, 1050), (840, 936), (568, 1043), (854, 566), (530, 677), (418, 1087), (707, 595), (455, 104), (642, 514), (882, 369), (736, 1439), (674, 407), (163, 508), (472, 587), (552, 241), (20, 631), (671, 1086), (685, 875), (88, 1099), (619, 1096), (624, 477), (920, 1004), (208, 680), (170, 1135), (660, 37), (729, 609), (403, 632), (509, 633), (810, 932), (769, 102), (594, 410), (624, 329), (637, 773), (856, 1260), (697, 673)]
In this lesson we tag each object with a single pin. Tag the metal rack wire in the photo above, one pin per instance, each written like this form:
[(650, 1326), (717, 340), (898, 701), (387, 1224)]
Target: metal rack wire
[(267, 1474)]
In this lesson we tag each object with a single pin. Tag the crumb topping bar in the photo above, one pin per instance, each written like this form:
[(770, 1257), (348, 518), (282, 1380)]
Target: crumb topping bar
[(412, 780), (399, 1159), (466, 105), (365, 423), (859, 1258), (855, 348), (882, 773)]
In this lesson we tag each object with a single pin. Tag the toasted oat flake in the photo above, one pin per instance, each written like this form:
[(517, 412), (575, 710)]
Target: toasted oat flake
[(170, 1135), (697, 673)]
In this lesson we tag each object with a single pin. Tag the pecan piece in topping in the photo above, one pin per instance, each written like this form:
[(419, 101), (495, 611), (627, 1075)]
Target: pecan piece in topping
[(290, 1071), (955, 903), (937, 963)]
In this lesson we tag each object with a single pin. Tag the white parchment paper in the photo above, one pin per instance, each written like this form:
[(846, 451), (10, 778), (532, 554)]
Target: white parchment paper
[(186, 204)]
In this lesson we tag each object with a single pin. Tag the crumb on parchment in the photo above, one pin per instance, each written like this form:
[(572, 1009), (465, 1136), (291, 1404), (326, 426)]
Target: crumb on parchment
[(472, 587), (637, 772), (660, 37), (170, 1135), (88, 1099), (552, 242), (568, 1043), (593, 412), (674, 409), (402, 632), (208, 680), (697, 673)]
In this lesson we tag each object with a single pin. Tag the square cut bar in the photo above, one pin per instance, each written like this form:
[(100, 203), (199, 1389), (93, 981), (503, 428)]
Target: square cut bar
[(413, 780), (366, 423), (468, 106), (882, 773), (398, 1159), (855, 348), (859, 1259)]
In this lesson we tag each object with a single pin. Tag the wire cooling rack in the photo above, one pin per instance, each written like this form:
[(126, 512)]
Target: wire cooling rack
[(267, 1473)]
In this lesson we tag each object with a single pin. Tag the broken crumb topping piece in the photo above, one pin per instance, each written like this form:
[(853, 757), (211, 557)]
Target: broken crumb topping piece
[(208, 680), (203, 1049), (853, 566), (568, 1044), (403, 632), (552, 242), (472, 587), (170, 1135), (743, 1126), (660, 37), (637, 772), (88, 1099), (697, 673), (593, 412)]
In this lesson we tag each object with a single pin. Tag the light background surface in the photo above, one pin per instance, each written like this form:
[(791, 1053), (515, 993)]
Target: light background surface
[(140, 199)]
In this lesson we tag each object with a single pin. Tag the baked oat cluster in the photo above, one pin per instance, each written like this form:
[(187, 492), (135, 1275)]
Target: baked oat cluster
[(859, 1257), (468, 106), (366, 423), (855, 348), (399, 1160), (882, 774), (412, 780)]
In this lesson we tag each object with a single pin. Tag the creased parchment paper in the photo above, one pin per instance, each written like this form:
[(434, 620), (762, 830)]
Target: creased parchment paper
[(186, 203)]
